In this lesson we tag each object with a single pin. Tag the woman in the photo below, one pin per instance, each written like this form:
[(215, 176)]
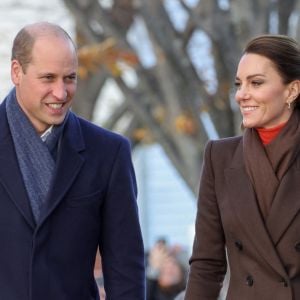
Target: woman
[(249, 198)]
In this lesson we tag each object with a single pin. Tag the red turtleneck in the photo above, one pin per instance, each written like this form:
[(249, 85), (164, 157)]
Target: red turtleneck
[(267, 135)]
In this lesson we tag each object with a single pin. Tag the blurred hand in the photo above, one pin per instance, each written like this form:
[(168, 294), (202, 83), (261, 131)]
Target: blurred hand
[(158, 254)]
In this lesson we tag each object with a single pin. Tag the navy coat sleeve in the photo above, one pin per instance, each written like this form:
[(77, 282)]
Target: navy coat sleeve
[(121, 243)]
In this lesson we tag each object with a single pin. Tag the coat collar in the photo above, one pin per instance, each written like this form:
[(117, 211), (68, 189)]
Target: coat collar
[(10, 175), (69, 163), (286, 204), (242, 199)]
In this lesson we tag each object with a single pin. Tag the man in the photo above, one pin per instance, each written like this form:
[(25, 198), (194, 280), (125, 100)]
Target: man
[(67, 186)]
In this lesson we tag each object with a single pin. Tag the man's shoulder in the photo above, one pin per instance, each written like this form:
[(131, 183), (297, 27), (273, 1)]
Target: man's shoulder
[(94, 133)]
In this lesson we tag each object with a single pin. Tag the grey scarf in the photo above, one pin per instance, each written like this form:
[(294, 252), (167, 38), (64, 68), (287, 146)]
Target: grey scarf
[(36, 159)]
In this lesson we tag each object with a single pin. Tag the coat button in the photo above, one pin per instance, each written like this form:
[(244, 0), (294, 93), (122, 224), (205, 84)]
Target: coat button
[(297, 247), (284, 282), (249, 280), (239, 245)]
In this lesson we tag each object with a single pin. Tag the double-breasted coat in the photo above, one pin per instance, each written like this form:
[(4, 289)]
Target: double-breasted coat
[(91, 204), (263, 255)]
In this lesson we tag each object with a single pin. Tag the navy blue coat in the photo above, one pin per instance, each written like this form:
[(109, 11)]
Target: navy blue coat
[(92, 203)]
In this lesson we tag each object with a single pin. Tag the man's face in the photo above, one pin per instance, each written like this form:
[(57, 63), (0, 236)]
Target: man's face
[(46, 88)]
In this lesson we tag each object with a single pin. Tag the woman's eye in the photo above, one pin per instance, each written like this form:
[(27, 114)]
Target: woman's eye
[(256, 83), (237, 84)]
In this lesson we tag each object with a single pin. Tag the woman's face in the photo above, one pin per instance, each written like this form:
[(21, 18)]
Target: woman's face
[(261, 94)]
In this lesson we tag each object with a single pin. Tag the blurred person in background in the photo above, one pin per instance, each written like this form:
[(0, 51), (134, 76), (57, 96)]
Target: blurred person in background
[(166, 271), (67, 186), (249, 198)]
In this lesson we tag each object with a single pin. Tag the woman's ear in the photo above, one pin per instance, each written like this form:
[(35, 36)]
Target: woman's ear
[(294, 90)]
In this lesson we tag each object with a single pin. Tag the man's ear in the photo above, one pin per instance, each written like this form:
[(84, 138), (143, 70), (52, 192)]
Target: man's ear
[(16, 71)]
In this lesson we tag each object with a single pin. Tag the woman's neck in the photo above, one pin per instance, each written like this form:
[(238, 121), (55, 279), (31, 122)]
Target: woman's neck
[(267, 135)]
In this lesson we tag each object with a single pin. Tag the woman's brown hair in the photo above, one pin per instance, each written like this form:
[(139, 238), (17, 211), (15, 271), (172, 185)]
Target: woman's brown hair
[(283, 51)]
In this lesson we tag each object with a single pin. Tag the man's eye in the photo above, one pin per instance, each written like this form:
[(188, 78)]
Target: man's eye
[(48, 77), (72, 77)]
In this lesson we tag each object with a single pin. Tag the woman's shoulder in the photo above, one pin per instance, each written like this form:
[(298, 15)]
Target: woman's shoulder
[(226, 143), (223, 150)]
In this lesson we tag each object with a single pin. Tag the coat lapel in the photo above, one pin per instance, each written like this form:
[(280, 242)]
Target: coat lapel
[(243, 201), (286, 203), (69, 163), (10, 175)]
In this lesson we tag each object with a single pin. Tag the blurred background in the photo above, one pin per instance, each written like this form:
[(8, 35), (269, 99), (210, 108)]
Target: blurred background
[(160, 72)]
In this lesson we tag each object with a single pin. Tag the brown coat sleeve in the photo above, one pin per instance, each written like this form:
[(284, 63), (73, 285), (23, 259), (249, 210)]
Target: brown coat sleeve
[(208, 260)]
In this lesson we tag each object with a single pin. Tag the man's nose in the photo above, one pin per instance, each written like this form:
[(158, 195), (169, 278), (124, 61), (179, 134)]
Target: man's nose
[(59, 90)]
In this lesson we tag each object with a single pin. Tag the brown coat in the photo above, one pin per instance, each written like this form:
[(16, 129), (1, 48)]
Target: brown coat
[(264, 257)]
